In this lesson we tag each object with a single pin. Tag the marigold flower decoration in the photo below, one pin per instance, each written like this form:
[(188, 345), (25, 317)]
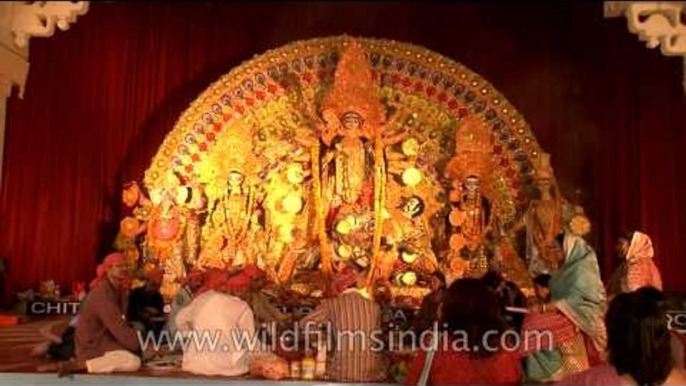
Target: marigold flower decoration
[(580, 225)]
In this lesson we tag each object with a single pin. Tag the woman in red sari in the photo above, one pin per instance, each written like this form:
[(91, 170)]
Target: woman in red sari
[(470, 352), (638, 268)]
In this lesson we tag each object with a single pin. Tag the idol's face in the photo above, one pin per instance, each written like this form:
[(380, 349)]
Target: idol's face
[(622, 246), (351, 121), (543, 184), (235, 179), (471, 183)]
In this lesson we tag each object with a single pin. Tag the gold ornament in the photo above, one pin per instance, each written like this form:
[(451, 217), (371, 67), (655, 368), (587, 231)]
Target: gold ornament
[(410, 147), (131, 194), (182, 194), (409, 258), (343, 227), (156, 196), (292, 203), (412, 176), (408, 278), (457, 217), (354, 222), (345, 251), (129, 226), (295, 174), (457, 242)]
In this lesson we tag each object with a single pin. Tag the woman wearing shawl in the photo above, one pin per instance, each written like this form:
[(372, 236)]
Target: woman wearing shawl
[(638, 268), (573, 316)]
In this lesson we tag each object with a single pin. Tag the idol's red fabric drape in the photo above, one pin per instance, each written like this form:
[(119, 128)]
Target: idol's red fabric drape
[(101, 96)]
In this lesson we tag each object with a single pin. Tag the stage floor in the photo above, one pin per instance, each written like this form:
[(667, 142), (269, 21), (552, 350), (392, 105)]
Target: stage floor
[(83, 379), (18, 367)]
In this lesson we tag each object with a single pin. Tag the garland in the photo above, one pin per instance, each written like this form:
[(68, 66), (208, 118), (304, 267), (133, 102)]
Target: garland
[(379, 198), (324, 245)]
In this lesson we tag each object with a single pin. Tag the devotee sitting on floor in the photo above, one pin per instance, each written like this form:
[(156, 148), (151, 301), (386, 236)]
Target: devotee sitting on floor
[(218, 315), (509, 295), (638, 346), (427, 315), (638, 268), (351, 314), (573, 317), (193, 282), (104, 341), (677, 338), (146, 305), (466, 355)]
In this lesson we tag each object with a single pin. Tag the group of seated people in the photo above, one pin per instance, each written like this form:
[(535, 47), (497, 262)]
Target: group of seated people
[(570, 335)]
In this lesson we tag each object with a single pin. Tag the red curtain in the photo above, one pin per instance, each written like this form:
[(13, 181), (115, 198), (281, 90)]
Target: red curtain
[(101, 96)]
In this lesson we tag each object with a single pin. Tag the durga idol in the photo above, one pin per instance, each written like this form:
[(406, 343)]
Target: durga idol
[(351, 172)]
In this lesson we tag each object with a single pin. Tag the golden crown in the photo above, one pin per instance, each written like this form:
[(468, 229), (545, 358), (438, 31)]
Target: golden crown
[(543, 167), (353, 89), (473, 147)]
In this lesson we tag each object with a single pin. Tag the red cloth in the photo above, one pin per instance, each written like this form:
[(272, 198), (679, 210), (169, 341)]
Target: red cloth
[(595, 376), (561, 328), (193, 275), (251, 271), (215, 279), (460, 368), (101, 270), (155, 275), (344, 279), (238, 282)]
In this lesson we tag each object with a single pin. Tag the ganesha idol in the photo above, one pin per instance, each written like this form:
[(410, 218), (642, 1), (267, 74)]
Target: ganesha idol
[(168, 219)]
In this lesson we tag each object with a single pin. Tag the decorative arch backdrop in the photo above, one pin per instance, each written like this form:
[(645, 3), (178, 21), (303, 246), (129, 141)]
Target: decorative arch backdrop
[(101, 96)]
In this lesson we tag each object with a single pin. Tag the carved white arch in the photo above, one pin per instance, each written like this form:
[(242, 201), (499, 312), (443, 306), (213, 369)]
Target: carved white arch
[(658, 23)]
